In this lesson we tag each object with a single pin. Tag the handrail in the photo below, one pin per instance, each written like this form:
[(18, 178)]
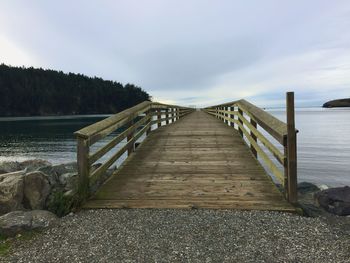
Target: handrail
[(277, 128), (235, 112), (135, 121)]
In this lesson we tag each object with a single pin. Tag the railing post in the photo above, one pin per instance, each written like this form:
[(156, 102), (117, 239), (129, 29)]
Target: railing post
[(239, 119), (129, 138), (232, 116), (291, 149), (226, 114), (254, 124), (167, 115), (159, 116), (83, 167), (178, 113), (151, 119)]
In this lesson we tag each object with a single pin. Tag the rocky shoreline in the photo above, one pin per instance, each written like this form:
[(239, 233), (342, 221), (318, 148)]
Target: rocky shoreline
[(36, 190)]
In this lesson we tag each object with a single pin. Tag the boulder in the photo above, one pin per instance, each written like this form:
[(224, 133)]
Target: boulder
[(68, 180), (28, 165), (55, 171), (9, 167), (16, 222), (36, 190), (42, 219), (335, 200), (11, 191), (33, 165), (306, 200), (305, 187)]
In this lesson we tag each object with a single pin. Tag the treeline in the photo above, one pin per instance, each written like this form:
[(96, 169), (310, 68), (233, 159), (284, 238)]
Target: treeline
[(32, 92)]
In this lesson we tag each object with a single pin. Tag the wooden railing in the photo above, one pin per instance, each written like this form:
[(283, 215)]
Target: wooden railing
[(248, 118), (134, 122)]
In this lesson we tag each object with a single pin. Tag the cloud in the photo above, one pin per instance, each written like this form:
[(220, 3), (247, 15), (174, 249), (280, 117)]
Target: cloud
[(189, 52)]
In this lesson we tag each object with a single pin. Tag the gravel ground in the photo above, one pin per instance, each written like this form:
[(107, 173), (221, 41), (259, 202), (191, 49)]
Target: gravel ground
[(187, 236)]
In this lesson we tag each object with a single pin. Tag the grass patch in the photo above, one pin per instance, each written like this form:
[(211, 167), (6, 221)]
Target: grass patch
[(6, 243), (61, 204), (4, 247)]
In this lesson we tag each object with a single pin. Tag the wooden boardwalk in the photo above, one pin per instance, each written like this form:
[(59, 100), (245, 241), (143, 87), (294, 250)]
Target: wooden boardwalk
[(195, 162)]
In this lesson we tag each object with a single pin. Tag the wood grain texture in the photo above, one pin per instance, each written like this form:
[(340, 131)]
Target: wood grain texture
[(196, 162)]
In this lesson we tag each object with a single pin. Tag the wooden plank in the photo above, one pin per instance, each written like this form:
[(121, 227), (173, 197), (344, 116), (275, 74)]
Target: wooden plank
[(197, 161), (190, 204)]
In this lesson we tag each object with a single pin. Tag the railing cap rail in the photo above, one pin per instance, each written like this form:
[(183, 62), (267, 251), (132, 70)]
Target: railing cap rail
[(274, 126), (155, 104), (105, 123), (97, 127)]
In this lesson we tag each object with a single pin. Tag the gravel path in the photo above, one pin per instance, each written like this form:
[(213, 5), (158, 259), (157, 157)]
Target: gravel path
[(187, 236)]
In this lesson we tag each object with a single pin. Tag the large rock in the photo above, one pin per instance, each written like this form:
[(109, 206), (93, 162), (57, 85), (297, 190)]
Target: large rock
[(307, 188), (306, 200), (11, 192), (335, 200), (28, 165), (36, 190), (69, 180), (54, 172), (34, 165), (16, 222), (9, 167)]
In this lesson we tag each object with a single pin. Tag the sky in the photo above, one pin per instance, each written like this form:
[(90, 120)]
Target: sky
[(189, 52)]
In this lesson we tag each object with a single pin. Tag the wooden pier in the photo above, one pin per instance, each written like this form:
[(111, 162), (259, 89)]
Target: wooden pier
[(197, 159)]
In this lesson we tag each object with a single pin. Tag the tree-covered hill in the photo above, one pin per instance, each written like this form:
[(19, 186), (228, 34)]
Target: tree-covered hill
[(30, 91)]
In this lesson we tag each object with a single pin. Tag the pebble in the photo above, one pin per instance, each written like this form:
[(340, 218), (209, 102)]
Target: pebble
[(151, 235)]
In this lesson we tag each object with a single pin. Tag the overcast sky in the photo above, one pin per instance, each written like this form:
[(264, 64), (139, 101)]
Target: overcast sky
[(189, 52)]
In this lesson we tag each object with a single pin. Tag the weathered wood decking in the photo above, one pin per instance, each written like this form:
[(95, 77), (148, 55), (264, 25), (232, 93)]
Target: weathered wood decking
[(196, 162)]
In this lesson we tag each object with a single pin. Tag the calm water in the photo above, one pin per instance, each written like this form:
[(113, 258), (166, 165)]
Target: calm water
[(323, 141), (323, 144)]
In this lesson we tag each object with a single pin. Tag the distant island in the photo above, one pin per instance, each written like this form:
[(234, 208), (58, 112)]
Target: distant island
[(337, 103), (40, 92)]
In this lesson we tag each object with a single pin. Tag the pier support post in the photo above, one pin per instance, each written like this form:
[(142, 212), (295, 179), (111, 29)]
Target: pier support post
[(291, 150)]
